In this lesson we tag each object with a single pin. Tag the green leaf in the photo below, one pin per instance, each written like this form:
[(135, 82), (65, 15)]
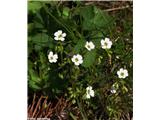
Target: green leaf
[(100, 18), (40, 38), (66, 11), (33, 85), (34, 6), (30, 27), (96, 19), (89, 58), (97, 38), (88, 25), (79, 45), (33, 75), (87, 12)]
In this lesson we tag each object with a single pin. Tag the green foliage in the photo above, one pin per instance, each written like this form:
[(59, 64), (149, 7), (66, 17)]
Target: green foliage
[(34, 6), (99, 68), (89, 58)]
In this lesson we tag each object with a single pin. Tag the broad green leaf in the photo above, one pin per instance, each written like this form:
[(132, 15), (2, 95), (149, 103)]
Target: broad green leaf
[(88, 25), (80, 44), (34, 6), (40, 38), (87, 12), (100, 18), (89, 58), (97, 20)]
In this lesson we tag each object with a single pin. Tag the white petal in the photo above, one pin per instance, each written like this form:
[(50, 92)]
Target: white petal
[(126, 74), (104, 46), (62, 39), (88, 88), (113, 91), (123, 76), (59, 32), (50, 53), (64, 34), (92, 93), (56, 34), (73, 59), (120, 76), (79, 57), (108, 46), (125, 71), (56, 38), (87, 96), (102, 42), (107, 40), (80, 61), (121, 69), (52, 60), (118, 72), (76, 63), (92, 46), (89, 49), (55, 56)]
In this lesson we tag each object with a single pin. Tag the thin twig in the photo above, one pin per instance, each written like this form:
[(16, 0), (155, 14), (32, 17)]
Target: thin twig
[(118, 8)]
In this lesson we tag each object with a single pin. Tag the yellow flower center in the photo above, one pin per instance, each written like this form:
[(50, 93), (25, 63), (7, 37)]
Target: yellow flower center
[(76, 59), (122, 74)]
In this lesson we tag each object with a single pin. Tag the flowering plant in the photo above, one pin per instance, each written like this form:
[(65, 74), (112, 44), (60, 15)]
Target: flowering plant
[(77, 52)]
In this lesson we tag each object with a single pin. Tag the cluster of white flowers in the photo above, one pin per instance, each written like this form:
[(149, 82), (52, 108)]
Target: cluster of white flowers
[(106, 43), (77, 59), (122, 73), (52, 57), (89, 92), (59, 35)]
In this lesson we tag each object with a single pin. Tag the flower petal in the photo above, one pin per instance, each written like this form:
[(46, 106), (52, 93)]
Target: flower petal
[(64, 34)]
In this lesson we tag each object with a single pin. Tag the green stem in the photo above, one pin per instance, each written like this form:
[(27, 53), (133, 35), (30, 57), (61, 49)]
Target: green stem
[(61, 52)]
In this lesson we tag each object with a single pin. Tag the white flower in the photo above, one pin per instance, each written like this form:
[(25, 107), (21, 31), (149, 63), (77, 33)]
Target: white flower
[(52, 57), (59, 35), (122, 73), (77, 59), (106, 43), (89, 92), (113, 90), (89, 45)]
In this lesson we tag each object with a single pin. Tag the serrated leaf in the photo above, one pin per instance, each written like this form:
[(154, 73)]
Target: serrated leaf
[(89, 58)]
